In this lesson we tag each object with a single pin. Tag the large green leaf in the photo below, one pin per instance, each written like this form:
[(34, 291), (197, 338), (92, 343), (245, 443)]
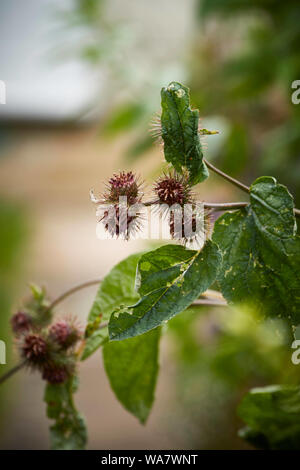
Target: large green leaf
[(261, 252), (272, 207), (169, 280), (69, 431), (179, 127), (116, 289), (132, 367), (97, 338), (272, 417)]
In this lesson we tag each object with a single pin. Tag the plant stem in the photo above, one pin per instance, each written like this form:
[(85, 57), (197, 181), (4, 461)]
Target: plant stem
[(225, 206), (12, 371), (212, 294), (242, 186), (218, 303), (72, 291), (149, 203), (237, 183), (229, 206), (297, 212)]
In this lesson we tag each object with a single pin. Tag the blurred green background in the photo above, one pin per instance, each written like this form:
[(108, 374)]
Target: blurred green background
[(83, 79)]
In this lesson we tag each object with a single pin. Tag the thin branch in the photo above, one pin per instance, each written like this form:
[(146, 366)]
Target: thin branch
[(221, 206), (297, 212), (237, 183), (212, 294), (215, 302), (12, 371), (72, 291), (149, 203), (231, 206), (225, 206), (242, 186)]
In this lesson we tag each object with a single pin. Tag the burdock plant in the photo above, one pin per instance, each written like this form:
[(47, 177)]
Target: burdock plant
[(251, 255)]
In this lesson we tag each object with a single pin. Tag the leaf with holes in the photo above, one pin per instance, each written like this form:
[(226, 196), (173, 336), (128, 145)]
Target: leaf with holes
[(261, 252), (179, 130), (169, 279)]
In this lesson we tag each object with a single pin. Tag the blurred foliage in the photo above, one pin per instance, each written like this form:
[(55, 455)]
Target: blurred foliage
[(114, 50), (13, 235), (98, 38), (272, 416), (69, 430), (124, 118), (219, 355), (242, 66)]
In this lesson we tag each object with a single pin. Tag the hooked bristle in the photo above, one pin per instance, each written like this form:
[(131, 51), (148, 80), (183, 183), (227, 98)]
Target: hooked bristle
[(54, 374), (21, 322), (34, 349), (173, 188), (123, 184), (64, 333)]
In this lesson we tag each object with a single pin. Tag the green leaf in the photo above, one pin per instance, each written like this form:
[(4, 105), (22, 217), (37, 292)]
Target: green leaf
[(272, 207), (219, 7), (169, 279), (272, 417), (160, 267), (179, 126), (261, 252), (38, 306), (132, 368), (94, 342), (117, 288), (69, 430)]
